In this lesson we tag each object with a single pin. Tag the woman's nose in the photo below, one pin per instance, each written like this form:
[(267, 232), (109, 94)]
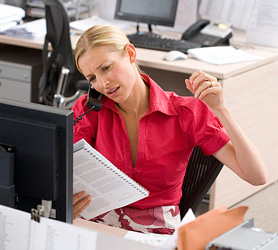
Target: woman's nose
[(104, 83)]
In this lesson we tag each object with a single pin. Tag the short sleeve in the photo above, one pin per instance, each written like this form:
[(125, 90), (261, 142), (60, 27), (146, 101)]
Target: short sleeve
[(206, 130)]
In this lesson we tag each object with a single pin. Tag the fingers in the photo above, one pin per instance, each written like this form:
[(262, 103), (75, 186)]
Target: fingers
[(189, 85), (80, 206), (79, 196), (199, 77), (80, 201), (208, 87), (201, 84)]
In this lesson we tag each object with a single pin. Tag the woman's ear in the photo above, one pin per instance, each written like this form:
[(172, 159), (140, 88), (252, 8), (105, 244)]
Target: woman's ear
[(131, 52)]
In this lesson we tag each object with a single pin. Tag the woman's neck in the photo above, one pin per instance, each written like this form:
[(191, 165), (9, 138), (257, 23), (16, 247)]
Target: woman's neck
[(138, 103)]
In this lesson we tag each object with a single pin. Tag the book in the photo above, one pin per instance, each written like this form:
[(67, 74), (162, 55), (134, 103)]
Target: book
[(109, 187)]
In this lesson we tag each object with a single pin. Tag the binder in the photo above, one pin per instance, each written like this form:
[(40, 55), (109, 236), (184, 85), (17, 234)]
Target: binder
[(109, 187)]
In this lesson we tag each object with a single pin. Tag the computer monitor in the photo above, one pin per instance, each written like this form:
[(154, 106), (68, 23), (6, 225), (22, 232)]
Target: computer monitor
[(40, 140), (157, 12)]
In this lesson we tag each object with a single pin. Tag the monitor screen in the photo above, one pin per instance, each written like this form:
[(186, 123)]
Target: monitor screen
[(157, 12), (40, 139)]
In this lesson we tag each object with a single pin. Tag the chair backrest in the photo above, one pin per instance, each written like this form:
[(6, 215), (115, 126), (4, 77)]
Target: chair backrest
[(201, 172), (61, 56)]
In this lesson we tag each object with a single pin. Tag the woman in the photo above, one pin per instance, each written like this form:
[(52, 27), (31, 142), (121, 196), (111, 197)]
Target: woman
[(149, 134)]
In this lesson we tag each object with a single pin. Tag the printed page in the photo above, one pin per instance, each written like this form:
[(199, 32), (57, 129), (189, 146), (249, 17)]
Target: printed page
[(15, 229), (109, 187), (56, 235), (236, 12), (263, 27), (220, 55)]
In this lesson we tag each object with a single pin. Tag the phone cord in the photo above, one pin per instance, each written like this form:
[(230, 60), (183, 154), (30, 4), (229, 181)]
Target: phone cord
[(79, 118)]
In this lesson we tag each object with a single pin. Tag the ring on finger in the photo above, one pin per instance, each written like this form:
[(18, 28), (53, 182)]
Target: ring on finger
[(211, 84)]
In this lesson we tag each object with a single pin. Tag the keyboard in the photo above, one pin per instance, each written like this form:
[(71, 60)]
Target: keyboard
[(156, 42)]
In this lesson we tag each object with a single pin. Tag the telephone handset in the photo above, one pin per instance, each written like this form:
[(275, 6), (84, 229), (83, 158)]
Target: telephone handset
[(93, 103), (194, 29), (94, 99), (208, 33)]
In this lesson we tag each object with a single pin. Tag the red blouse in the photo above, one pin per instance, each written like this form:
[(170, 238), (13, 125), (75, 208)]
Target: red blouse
[(167, 135)]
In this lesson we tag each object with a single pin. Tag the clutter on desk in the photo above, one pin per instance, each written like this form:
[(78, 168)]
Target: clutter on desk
[(35, 8), (86, 23), (198, 233), (167, 242), (245, 237), (21, 231), (220, 228), (30, 30), (220, 55), (10, 16)]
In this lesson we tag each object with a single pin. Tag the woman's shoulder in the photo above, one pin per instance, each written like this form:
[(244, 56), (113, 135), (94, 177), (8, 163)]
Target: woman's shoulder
[(80, 103)]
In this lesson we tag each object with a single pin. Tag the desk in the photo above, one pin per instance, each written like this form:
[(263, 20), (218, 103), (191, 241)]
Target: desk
[(99, 227), (249, 92)]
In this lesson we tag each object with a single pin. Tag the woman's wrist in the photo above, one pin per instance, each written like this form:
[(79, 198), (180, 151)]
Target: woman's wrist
[(221, 111)]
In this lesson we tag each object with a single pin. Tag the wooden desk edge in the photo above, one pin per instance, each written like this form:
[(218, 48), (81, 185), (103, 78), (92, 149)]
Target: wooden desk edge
[(20, 42), (99, 227)]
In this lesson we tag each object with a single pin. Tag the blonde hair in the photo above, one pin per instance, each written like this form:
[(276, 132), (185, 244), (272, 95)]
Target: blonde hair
[(100, 35)]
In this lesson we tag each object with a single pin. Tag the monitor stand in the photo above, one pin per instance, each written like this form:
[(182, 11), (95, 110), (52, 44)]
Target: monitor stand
[(148, 33)]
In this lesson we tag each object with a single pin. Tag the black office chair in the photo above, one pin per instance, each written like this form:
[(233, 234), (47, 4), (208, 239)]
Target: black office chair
[(59, 70), (201, 172)]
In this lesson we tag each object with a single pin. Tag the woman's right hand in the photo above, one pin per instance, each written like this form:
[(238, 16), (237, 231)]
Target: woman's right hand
[(80, 201)]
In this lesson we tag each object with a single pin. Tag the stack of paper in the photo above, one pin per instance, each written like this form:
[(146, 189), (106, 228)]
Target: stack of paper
[(86, 23), (30, 30), (19, 231), (10, 16), (221, 55)]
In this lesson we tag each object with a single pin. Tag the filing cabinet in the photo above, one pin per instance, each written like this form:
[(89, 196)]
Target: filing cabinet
[(20, 71)]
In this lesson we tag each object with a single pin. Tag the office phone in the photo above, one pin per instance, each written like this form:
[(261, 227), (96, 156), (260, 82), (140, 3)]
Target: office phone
[(93, 103), (94, 99), (208, 33)]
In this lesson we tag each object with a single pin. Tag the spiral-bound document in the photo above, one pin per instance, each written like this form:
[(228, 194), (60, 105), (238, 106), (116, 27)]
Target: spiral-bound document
[(109, 187)]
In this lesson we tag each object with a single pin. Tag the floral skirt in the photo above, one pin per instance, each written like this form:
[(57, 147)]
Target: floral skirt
[(161, 220)]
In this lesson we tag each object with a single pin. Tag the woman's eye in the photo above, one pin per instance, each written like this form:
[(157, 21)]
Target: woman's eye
[(106, 68), (92, 79)]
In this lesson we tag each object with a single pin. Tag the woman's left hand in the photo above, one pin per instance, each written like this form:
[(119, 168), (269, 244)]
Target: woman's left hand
[(206, 88)]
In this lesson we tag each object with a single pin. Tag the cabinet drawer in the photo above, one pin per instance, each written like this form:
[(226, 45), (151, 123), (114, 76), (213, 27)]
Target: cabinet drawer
[(15, 90), (11, 71)]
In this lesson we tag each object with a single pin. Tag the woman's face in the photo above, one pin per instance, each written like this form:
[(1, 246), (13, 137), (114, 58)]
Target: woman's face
[(111, 73)]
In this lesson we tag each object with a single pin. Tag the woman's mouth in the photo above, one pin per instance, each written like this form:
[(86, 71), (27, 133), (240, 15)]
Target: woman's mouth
[(113, 91)]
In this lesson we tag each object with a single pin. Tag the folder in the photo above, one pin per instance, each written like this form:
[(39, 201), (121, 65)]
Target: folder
[(197, 234)]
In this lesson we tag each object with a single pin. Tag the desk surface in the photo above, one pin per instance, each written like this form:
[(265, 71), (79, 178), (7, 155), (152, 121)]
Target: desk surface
[(99, 227), (154, 59)]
